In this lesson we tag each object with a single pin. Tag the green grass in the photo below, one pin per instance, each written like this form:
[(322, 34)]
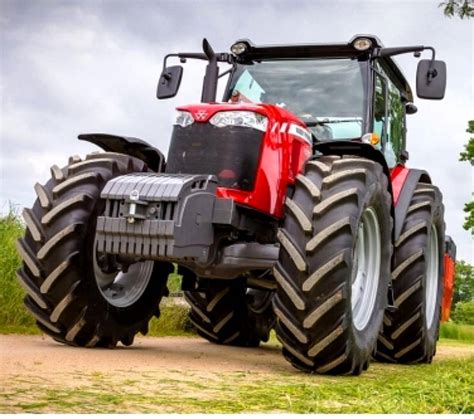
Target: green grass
[(443, 387), (13, 316), (455, 331)]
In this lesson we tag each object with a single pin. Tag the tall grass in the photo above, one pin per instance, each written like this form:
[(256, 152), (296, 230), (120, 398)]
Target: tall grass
[(456, 331), (13, 315)]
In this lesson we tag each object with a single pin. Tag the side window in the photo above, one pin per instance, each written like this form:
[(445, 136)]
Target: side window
[(380, 119), (391, 126), (395, 138)]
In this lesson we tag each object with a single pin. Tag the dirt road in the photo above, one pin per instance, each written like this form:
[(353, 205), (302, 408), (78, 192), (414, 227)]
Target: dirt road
[(25, 355), (40, 375), (38, 354)]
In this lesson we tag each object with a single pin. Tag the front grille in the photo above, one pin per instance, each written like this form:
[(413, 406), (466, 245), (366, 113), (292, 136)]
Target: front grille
[(229, 153)]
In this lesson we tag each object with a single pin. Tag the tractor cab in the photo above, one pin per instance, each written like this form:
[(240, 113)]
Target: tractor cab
[(341, 92)]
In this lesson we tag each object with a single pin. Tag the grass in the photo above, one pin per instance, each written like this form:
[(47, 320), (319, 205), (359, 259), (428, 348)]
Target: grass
[(13, 316), (455, 331), (443, 387)]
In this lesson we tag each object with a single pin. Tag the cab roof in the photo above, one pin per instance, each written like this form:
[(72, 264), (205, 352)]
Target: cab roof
[(255, 53)]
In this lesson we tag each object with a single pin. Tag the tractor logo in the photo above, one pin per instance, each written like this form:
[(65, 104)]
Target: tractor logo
[(201, 115)]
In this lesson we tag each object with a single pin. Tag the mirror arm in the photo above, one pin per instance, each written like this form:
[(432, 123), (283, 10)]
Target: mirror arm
[(431, 71), (389, 52), (166, 58)]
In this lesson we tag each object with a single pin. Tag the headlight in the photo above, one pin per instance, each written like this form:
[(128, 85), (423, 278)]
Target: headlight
[(240, 119), (362, 44), (183, 119)]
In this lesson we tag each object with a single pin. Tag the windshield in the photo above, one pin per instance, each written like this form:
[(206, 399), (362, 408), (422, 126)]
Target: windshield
[(328, 94)]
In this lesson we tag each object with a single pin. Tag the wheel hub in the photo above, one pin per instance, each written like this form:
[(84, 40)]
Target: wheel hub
[(432, 271), (121, 286), (366, 271)]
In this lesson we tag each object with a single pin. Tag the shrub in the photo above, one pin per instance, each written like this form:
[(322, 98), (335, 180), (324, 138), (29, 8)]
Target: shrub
[(464, 312)]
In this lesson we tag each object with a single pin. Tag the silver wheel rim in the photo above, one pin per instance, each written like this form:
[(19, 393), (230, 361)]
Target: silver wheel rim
[(432, 272), (366, 272), (122, 289)]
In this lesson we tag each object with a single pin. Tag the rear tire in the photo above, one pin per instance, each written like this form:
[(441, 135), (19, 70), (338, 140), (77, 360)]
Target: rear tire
[(58, 253), (337, 229), (229, 313), (409, 334)]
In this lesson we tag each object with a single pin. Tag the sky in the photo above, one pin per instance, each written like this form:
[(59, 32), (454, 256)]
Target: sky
[(69, 67)]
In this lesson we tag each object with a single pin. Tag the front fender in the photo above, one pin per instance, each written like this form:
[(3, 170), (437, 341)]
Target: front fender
[(131, 146), (341, 148)]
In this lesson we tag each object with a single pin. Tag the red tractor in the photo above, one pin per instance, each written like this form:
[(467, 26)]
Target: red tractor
[(287, 205)]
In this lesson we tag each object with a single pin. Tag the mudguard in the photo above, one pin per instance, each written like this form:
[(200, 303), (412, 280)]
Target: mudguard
[(404, 184), (340, 148), (128, 145)]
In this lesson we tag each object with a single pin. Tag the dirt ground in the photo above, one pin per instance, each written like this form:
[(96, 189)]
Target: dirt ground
[(39, 354), (24, 355), (40, 375)]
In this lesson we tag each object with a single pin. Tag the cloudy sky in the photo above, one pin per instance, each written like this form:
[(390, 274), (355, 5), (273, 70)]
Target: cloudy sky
[(92, 66)]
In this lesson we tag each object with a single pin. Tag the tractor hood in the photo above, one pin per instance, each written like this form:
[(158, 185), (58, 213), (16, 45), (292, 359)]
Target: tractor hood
[(254, 150)]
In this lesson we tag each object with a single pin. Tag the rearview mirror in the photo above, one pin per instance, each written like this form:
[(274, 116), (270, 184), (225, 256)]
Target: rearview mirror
[(169, 82), (431, 79)]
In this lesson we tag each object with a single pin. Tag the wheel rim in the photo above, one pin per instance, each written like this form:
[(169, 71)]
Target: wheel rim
[(366, 272), (122, 289), (432, 272)]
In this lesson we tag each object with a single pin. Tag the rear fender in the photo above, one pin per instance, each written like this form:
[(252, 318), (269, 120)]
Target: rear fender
[(404, 193), (131, 146)]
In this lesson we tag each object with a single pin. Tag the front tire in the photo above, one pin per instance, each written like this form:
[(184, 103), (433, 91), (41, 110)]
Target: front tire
[(333, 270), (229, 313), (70, 297)]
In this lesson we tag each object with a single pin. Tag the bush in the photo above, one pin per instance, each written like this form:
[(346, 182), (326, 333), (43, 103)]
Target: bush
[(13, 315), (463, 312)]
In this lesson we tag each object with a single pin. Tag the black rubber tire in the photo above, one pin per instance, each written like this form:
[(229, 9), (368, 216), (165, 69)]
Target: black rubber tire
[(228, 313), (405, 336), (57, 272), (316, 265)]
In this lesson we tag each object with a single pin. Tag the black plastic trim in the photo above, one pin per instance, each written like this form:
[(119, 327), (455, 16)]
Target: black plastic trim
[(450, 247), (131, 146)]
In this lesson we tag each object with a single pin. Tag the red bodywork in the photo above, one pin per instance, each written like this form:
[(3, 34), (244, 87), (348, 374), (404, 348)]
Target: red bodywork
[(282, 156), (398, 177), (449, 272)]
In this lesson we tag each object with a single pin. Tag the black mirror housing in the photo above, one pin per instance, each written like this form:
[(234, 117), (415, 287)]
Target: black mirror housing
[(169, 82), (431, 79)]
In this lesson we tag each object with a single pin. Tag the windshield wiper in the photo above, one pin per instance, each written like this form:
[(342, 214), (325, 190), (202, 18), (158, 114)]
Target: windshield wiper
[(314, 123)]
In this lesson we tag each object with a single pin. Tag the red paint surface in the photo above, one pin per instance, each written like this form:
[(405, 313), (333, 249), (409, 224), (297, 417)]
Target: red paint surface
[(449, 276), (398, 176), (282, 155)]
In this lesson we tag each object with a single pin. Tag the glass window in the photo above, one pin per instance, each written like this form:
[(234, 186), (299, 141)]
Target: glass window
[(389, 119), (397, 122), (380, 119), (328, 94)]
